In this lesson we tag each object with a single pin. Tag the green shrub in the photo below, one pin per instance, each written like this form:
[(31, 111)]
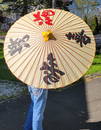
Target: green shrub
[(94, 25), (85, 19)]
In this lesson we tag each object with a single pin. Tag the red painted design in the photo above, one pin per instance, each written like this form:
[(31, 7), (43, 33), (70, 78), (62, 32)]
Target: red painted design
[(44, 17)]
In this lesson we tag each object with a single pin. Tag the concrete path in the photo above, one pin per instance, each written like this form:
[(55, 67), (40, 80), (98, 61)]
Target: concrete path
[(75, 108)]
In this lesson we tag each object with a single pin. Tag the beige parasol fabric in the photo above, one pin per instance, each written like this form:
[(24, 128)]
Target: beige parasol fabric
[(49, 48)]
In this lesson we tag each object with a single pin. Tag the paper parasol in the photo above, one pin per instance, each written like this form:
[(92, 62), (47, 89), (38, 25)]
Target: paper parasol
[(49, 48)]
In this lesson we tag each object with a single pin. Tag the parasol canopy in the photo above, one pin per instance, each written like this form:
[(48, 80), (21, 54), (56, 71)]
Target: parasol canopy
[(49, 48)]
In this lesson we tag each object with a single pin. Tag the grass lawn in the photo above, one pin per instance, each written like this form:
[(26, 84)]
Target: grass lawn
[(96, 66), (5, 73), (2, 33), (1, 41), (1, 51)]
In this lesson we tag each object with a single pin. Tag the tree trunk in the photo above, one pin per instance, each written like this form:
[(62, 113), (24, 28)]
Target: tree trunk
[(53, 3)]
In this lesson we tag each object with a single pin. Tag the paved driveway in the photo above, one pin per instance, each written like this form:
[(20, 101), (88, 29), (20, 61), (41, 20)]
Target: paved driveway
[(75, 108)]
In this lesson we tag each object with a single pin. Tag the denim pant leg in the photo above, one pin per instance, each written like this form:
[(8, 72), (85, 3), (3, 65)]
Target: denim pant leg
[(36, 109), (40, 98), (28, 121)]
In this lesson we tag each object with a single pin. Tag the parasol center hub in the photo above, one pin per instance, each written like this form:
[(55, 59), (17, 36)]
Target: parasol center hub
[(48, 35)]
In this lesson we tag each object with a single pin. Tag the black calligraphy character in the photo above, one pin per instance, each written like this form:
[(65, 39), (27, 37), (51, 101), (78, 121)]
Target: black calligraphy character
[(79, 37), (51, 71), (18, 44)]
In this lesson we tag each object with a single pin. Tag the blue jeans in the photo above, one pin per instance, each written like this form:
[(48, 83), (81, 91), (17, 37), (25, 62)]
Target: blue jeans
[(36, 110)]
